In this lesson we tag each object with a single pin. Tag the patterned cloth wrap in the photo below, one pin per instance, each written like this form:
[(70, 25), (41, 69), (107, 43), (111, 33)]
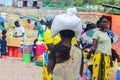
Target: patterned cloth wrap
[(69, 70)]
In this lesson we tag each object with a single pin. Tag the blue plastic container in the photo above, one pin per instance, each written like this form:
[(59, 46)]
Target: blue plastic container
[(45, 58), (118, 74)]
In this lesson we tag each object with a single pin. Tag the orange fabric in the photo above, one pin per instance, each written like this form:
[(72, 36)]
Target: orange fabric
[(116, 30), (27, 25)]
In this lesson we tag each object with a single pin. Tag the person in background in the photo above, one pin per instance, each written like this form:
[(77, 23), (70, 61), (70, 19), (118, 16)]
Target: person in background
[(40, 30), (89, 26), (34, 50), (2, 26), (3, 43), (19, 30), (35, 26), (50, 42), (102, 58), (115, 55), (27, 25), (42, 22)]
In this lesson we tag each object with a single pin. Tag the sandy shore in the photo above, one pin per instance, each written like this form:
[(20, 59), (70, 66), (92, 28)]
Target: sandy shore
[(16, 69)]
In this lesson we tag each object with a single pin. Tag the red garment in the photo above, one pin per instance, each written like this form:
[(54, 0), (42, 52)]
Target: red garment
[(34, 28), (83, 32)]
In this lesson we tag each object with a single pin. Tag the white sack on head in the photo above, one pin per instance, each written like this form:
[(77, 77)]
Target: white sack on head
[(71, 11), (66, 22)]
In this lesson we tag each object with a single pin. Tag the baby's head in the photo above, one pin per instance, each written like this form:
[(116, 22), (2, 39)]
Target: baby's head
[(62, 55)]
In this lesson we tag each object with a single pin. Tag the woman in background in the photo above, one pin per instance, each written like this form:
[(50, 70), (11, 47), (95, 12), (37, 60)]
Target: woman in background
[(50, 42), (102, 48)]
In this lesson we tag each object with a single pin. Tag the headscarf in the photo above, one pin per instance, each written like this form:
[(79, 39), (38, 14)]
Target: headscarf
[(49, 17)]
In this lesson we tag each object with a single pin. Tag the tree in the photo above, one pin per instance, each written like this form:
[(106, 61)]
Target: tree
[(78, 2), (55, 1)]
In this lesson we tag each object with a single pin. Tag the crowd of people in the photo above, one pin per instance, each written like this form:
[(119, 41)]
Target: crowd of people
[(65, 47), (61, 57)]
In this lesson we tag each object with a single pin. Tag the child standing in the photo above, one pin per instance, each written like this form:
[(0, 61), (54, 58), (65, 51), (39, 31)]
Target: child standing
[(3, 43)]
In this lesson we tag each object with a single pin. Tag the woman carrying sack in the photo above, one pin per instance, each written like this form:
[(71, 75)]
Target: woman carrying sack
[(65, 59)]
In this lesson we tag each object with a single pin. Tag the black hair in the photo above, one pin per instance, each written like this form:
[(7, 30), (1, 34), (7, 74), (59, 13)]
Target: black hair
[(67, 34), (98, 24), (16, 23), (28, 19), (90, 26), (63, 53), (42, 21), (101, 18), (35, 23), (104, 17)]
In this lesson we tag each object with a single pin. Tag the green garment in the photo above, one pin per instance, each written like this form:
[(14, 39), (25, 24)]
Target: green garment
[(40, 31), (2, 28)]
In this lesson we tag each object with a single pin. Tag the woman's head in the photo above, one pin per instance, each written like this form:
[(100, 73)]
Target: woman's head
[(42, 22), (69, 34), (16, 23), (90, 26), (49, 19), (103, 22)]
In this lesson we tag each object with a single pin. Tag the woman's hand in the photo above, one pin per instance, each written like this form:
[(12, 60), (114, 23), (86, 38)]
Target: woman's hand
[(89, 53), (87, 50)]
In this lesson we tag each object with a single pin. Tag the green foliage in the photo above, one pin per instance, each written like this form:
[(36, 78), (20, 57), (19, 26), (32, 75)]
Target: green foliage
[(61, 3), (82, 5)]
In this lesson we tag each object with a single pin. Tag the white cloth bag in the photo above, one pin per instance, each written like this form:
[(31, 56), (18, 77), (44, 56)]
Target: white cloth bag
[(66, 22)]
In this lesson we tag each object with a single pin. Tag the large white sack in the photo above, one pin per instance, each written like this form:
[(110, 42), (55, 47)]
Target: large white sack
[(66, 22)]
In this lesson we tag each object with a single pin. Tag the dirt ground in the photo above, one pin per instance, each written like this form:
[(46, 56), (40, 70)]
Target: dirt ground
[(16, 69)]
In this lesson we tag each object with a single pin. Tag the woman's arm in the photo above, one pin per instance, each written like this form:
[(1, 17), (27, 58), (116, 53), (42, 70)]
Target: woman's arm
[(19, 35), (93, 48), (50, 46), (51, 61)]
